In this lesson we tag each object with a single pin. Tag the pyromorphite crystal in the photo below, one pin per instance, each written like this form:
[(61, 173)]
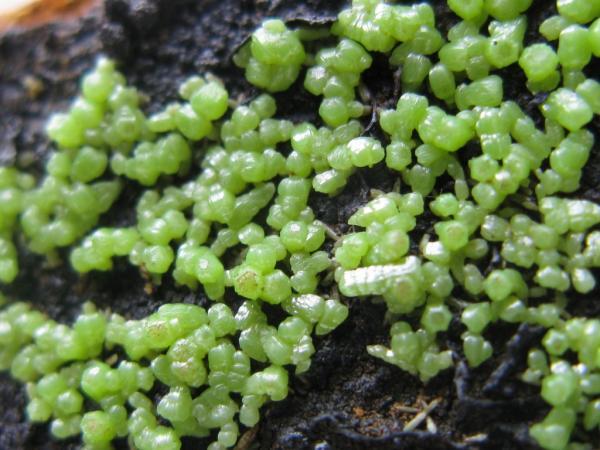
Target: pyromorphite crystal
[(228, 211)]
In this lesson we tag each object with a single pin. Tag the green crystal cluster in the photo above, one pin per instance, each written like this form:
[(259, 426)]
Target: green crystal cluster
[(235, 220), (273, 58)]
